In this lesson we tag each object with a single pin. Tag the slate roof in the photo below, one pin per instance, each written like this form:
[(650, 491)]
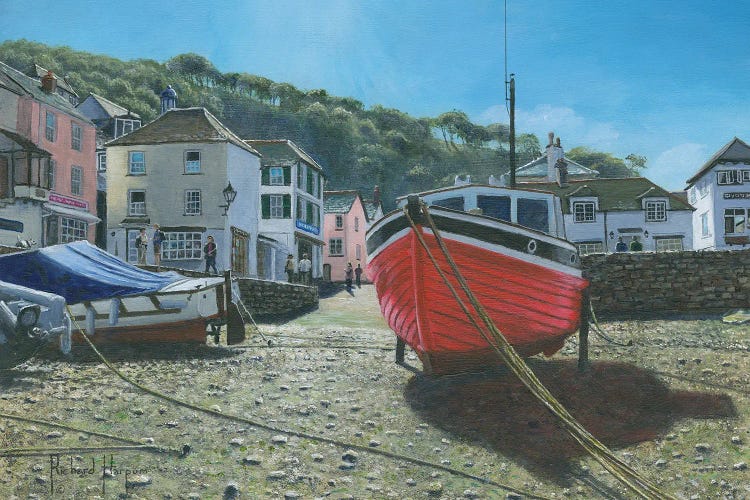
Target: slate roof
[(615, 195), (182, 125), (61, 82), (339, 202), (112, 109), (538, 168), (371, 208), (281, 152), (735, 150), (24, 142), (33, 87)]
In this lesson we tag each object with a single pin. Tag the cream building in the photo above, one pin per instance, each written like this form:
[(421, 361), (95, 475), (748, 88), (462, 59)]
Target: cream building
[(176, 172)]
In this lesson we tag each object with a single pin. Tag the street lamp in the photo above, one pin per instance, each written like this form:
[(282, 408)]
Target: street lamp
[(645, 234), (611, 235), (229, 195)]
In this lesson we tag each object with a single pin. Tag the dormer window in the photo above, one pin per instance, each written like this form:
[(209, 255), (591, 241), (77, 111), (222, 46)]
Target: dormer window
[(656, 211), (584, 211)]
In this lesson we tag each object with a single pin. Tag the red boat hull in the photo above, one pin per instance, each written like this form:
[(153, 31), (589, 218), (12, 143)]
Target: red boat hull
[(534, 306)]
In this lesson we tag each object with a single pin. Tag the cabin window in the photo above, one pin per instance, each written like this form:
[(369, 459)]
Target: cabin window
[(668, 244), (584, 211), (192, 202), (656, 211), (76, 180), (455, 203), (336, 247), (533, 214), (72, 229), (495, 206), (734, 220), (590, 247), (182, 246)]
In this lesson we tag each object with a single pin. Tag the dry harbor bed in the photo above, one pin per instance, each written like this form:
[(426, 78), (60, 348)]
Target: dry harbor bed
[(674, 406)]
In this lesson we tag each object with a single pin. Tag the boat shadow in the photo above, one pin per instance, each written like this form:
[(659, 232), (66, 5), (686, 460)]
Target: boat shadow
[(620, 404)]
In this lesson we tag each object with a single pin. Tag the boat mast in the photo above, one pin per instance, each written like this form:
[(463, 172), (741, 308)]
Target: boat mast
[(512, 130)]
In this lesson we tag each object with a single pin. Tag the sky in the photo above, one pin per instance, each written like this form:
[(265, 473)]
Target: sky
[(667, 80)]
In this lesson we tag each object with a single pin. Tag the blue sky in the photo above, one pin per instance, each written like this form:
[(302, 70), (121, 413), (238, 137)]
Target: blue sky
[(668, 80)]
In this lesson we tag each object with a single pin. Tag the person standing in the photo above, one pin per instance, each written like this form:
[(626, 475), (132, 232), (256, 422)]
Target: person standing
[(156, 241), (358, 274), (635, 245), (304, 268), (141, 243), (349, 273), (289, 268), (621, 246), (209, 251)]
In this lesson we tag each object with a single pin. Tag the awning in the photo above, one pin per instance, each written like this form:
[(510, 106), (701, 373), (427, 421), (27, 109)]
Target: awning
[(71, 212), (312, 240)]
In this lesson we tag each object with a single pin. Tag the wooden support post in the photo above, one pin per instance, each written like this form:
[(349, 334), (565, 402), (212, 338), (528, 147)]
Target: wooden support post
[(400, 347), (583, 332)]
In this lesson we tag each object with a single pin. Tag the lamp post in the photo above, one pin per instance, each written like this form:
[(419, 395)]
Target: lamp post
[(229, 195)]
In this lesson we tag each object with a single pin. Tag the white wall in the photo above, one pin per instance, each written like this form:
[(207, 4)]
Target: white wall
[(243, 171)]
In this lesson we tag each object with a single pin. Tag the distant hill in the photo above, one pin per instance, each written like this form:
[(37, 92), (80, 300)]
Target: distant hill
[(357, 147)]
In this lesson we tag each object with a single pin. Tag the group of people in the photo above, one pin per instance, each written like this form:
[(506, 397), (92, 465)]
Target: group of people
[(635, 245), (141, 244), (304, 267), (357, 272)]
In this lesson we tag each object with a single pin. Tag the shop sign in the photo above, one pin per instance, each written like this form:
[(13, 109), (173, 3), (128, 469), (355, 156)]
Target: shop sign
[(307, 227), (70, 202), (736, 196)]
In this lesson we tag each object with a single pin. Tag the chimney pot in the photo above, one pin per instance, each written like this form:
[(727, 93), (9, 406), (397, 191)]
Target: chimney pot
[(49, 82), (551, 136), (376, 195)]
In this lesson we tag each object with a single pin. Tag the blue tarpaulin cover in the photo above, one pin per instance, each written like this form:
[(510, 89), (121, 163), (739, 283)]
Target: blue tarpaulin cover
[(80, 271)]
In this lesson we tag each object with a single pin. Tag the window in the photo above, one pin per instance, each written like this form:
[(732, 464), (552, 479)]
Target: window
[(76, 136), (356, 223), (309, 213), (101, 161), (192, 162), (724, 177), (136, 163), (584, 211), (76, 180), (315, 184), (746, 176), (656, 211), (358, 252), (704, 224), (734, 220), (703, 188), (339, 222), (72, 229), (590, 247), (495, 206), (136, 203), (456, 203), (276, 206), (692, 197), (668, 244), (125, 126), (51, 166), (50, 131), (309, 185), (336, 247), (301, 177), (182, 246), (276, 176), (192, 202), (533, 214), (132, 252)]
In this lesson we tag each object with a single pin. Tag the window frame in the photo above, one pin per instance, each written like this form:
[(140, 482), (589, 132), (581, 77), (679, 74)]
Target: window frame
[(76, 184), (72, 229), (276, 206), (335, 243), (584, 216), (191, 167), (193, 205), (175, 245), (132, 163), (278, 179), (738, 212), (595, 247), (653, 208), (705, 229), (51, 173), (50, 126), (101, 161), (339, 223), (132, 204), (661, 241), (76, 136), (731, 177)]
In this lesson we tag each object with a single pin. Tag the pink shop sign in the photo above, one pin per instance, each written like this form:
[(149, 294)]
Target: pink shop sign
[(71, 202)]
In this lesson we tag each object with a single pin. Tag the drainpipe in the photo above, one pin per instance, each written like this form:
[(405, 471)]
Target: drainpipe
[(606, 236)]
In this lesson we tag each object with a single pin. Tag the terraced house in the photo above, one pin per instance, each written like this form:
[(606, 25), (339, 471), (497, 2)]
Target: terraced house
[(194, 177), (346, 222), (47, 163)]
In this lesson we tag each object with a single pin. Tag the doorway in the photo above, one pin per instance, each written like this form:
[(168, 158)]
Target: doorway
[(240, 244)]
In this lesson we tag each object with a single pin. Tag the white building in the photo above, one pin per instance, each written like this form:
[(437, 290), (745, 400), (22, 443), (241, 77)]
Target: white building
[(720, 193), (291, 201)]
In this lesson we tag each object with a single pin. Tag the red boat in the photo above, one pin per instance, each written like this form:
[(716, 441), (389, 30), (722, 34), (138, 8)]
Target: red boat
[(527, 279)]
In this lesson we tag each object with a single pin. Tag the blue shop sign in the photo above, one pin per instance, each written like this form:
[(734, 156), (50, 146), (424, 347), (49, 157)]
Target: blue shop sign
[(11, 225), (308, 227)]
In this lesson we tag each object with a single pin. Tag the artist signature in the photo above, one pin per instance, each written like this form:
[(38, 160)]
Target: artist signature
[(60, 468)]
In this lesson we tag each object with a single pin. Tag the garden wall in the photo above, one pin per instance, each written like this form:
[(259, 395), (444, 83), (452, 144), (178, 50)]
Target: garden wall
[(669, 283)]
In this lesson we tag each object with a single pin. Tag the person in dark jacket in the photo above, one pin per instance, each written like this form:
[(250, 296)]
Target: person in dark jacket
[(621, 245), (349, 273), (635, 245), (209, 251), (358, 274)]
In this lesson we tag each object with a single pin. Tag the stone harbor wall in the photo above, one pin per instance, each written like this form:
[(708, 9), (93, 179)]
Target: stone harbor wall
[(267, 299), (691, 283)]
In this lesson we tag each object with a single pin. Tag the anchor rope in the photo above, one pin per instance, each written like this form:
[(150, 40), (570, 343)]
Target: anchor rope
[(598, 330), (623, 472), (303, 435)]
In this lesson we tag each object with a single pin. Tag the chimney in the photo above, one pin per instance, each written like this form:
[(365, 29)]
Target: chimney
[(168, 99), (49, 83), (376, 196), (554, 154)]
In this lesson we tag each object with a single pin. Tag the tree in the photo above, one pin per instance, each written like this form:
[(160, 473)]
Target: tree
[(636, 163), (527, 149), (606, 164)]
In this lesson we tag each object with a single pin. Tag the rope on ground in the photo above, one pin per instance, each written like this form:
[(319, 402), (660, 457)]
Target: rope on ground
[(238, 298), (619, 469), (299, 434), (598, 330), (34, 452)]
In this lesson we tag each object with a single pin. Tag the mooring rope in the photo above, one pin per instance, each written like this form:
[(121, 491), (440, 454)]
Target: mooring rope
[(628, 476), (598, 330), (299, 434)]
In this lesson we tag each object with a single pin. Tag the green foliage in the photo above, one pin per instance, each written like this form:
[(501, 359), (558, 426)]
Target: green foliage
[(357, 147), (606, 164)]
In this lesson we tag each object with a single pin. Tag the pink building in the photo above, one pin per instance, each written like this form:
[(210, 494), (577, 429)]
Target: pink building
[(345, 223), (48, 178)]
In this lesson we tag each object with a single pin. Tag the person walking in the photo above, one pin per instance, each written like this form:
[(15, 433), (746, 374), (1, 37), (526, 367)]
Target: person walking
[(209, 251), (141, 244), (289, 268), (358, 275), (635, 245), (156, 241), (349, 274), (304, 268)]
